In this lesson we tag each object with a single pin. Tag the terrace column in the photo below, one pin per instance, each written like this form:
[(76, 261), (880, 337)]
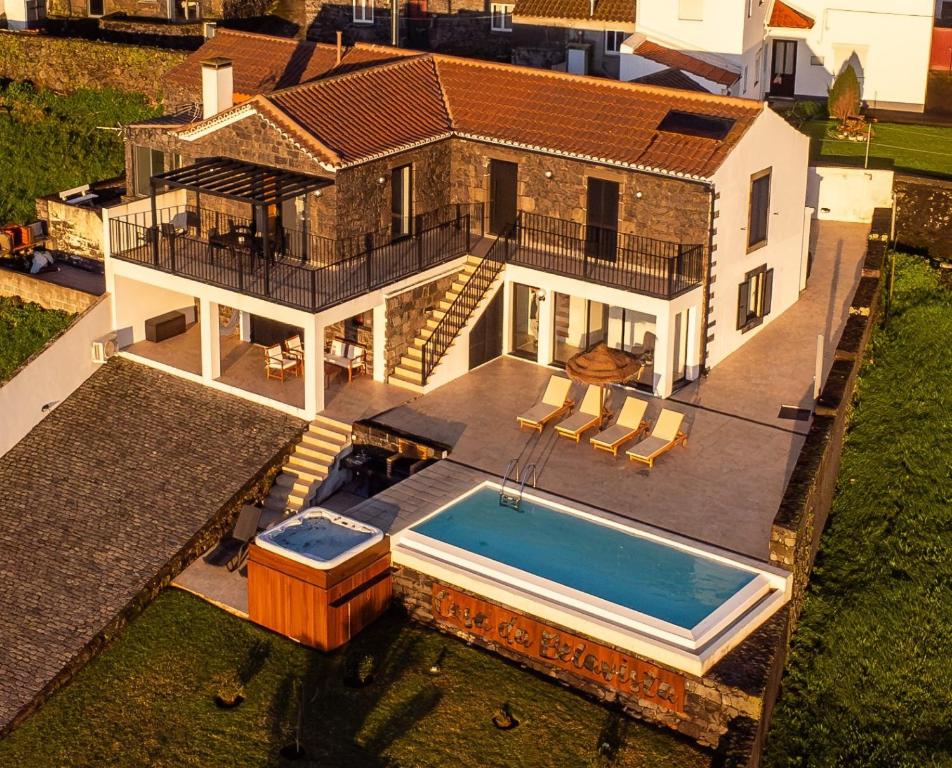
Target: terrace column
[(211, 339), (664, 352), (313, 369), (244, 326), (380, 342)]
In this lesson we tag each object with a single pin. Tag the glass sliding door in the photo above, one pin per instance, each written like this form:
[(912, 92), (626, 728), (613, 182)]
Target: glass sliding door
[(525, 321), (579, 324)]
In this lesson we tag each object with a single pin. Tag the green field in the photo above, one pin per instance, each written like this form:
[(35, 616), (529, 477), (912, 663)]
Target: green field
[(148, 701), (869, 680), (24, 329), (905, 147), (50, 142)]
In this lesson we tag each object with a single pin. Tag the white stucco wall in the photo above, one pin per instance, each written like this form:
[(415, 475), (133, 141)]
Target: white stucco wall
[(721, 21), (848, 194), (890, 39), (769, 143), (53, 375)]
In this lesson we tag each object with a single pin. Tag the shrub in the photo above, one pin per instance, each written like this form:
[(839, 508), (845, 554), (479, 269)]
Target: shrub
[(843, 98)]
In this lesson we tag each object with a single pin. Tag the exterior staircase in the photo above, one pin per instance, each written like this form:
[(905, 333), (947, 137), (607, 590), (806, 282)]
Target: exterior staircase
[(308, 466), (409, 374)]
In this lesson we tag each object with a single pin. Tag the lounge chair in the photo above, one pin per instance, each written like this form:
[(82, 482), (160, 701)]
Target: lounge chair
[(665, 435), (629, 424), (554, 403), (590, 414), (232, 549), (277, 364)]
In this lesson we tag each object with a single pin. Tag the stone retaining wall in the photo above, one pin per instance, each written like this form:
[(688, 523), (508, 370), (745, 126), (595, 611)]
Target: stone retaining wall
[(799, 522), (72, 229), (924, 214), (47, 295)]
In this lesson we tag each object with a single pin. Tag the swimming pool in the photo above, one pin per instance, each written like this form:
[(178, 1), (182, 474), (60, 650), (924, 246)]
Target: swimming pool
[(636, 580)]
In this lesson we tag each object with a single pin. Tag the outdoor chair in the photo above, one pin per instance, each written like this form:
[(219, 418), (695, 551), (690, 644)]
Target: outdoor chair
[(294, 348), (233, 548), (555, 402), (665, 435), (277, 365), (630, 423), (590, 414), (347, 355)]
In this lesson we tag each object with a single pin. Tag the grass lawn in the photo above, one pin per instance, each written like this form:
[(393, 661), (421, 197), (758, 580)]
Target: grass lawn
[(24, 329), (50, 142), (909, 147), (869, 681), (148, 701)]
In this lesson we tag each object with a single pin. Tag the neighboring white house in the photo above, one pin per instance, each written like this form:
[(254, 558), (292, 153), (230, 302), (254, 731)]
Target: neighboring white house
[(788, 49), (23, 14)]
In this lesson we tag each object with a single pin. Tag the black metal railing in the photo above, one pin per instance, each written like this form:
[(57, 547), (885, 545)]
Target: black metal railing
[(641, 264), (222, 250), (463, 306)]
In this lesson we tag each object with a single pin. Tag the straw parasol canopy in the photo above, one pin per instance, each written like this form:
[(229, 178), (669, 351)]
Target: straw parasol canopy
[(602, 366)]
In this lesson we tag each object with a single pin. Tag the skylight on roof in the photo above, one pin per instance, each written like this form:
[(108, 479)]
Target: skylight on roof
[(693, 124)]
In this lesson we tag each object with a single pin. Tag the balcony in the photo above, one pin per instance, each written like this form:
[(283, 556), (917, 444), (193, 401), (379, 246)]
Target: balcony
[(289, 267), (656, 268)]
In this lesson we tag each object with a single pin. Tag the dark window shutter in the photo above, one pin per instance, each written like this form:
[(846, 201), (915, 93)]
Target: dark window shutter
[(742, 292), (768, 291)]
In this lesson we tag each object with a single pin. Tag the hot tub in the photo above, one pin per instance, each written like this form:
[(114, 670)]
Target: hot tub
[(319, 577), (319, 538)]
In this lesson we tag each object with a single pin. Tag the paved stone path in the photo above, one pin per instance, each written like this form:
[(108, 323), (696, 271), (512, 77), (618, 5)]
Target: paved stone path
[(100, 495)]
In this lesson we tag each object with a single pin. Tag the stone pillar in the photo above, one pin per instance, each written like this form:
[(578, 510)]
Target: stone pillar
[(380, 342), (664, 353), (244, 326), (313, 369), (211, 339)]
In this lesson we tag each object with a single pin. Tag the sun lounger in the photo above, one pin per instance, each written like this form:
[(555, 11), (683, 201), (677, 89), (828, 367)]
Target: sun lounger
[(630, 423), (590, 414), (554, 403), (231, 551), (665, 435)]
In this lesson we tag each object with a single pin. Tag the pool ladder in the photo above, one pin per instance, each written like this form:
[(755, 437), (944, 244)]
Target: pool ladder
[(513, 498)]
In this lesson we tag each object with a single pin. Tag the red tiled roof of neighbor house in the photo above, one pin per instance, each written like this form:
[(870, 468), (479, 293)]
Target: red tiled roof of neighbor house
[(785, 16), (389, 107), (605, 10), (671, 78), (264, 63), (670, 57)]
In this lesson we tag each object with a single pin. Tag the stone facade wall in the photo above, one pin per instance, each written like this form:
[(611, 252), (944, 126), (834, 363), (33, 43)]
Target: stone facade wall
[(407, 314), (72, 229), (710, 703), (540, 45), (46, 294), (367, 433), (924, 214), (669, 209), (67, 64)]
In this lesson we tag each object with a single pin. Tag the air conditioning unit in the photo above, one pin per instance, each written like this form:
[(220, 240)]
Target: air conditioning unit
[(578, 58), (104, 348)]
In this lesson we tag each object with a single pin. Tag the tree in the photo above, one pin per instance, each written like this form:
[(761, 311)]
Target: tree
[(843, 96)]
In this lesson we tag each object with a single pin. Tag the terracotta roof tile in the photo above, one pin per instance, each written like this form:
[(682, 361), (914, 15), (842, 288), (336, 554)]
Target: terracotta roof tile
[(263, 63), (785, 16), (670, 57), (671, 78), (605, 10), (374, 111)]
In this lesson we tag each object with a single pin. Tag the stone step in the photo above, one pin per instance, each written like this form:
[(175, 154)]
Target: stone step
[(324, 442), (314, 454), (275, 503), (411, 363), (294, 485), (415, 352), (310, 474), (328, 423), (329, 435), (395, 380)]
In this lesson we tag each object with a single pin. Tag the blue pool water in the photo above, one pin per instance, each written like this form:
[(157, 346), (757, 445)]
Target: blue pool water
[(640, 574)]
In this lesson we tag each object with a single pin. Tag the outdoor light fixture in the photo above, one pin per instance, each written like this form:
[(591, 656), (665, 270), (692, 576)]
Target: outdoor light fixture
[(549, 174), (639, 195), (319, 193), (381, 180)]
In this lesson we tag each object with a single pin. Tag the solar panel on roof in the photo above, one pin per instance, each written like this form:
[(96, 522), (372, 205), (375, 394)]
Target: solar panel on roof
[(693, 124)]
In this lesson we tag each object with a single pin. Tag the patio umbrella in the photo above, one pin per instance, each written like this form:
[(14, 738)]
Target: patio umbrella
[(602, 366)]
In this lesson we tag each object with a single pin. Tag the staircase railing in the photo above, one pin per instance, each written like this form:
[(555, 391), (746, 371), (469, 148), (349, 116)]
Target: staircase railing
[(465, 304)]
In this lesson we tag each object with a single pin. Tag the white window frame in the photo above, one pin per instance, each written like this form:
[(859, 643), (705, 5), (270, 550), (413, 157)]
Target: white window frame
[(501, 11), (619, 37), (366, 14)]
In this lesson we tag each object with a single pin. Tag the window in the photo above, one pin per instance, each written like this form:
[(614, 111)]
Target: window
[(401, 201), (754, 298), (146, 163), (363, 11), (613, 40), (759, 211), (945, 13), (502, 17), (691, 10)]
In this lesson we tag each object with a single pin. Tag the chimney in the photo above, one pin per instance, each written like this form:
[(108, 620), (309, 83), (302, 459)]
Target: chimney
[(340, 36), (217, 86)]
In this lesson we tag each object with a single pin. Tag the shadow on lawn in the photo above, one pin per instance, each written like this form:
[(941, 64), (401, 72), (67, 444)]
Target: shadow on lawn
[(345, 725)]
